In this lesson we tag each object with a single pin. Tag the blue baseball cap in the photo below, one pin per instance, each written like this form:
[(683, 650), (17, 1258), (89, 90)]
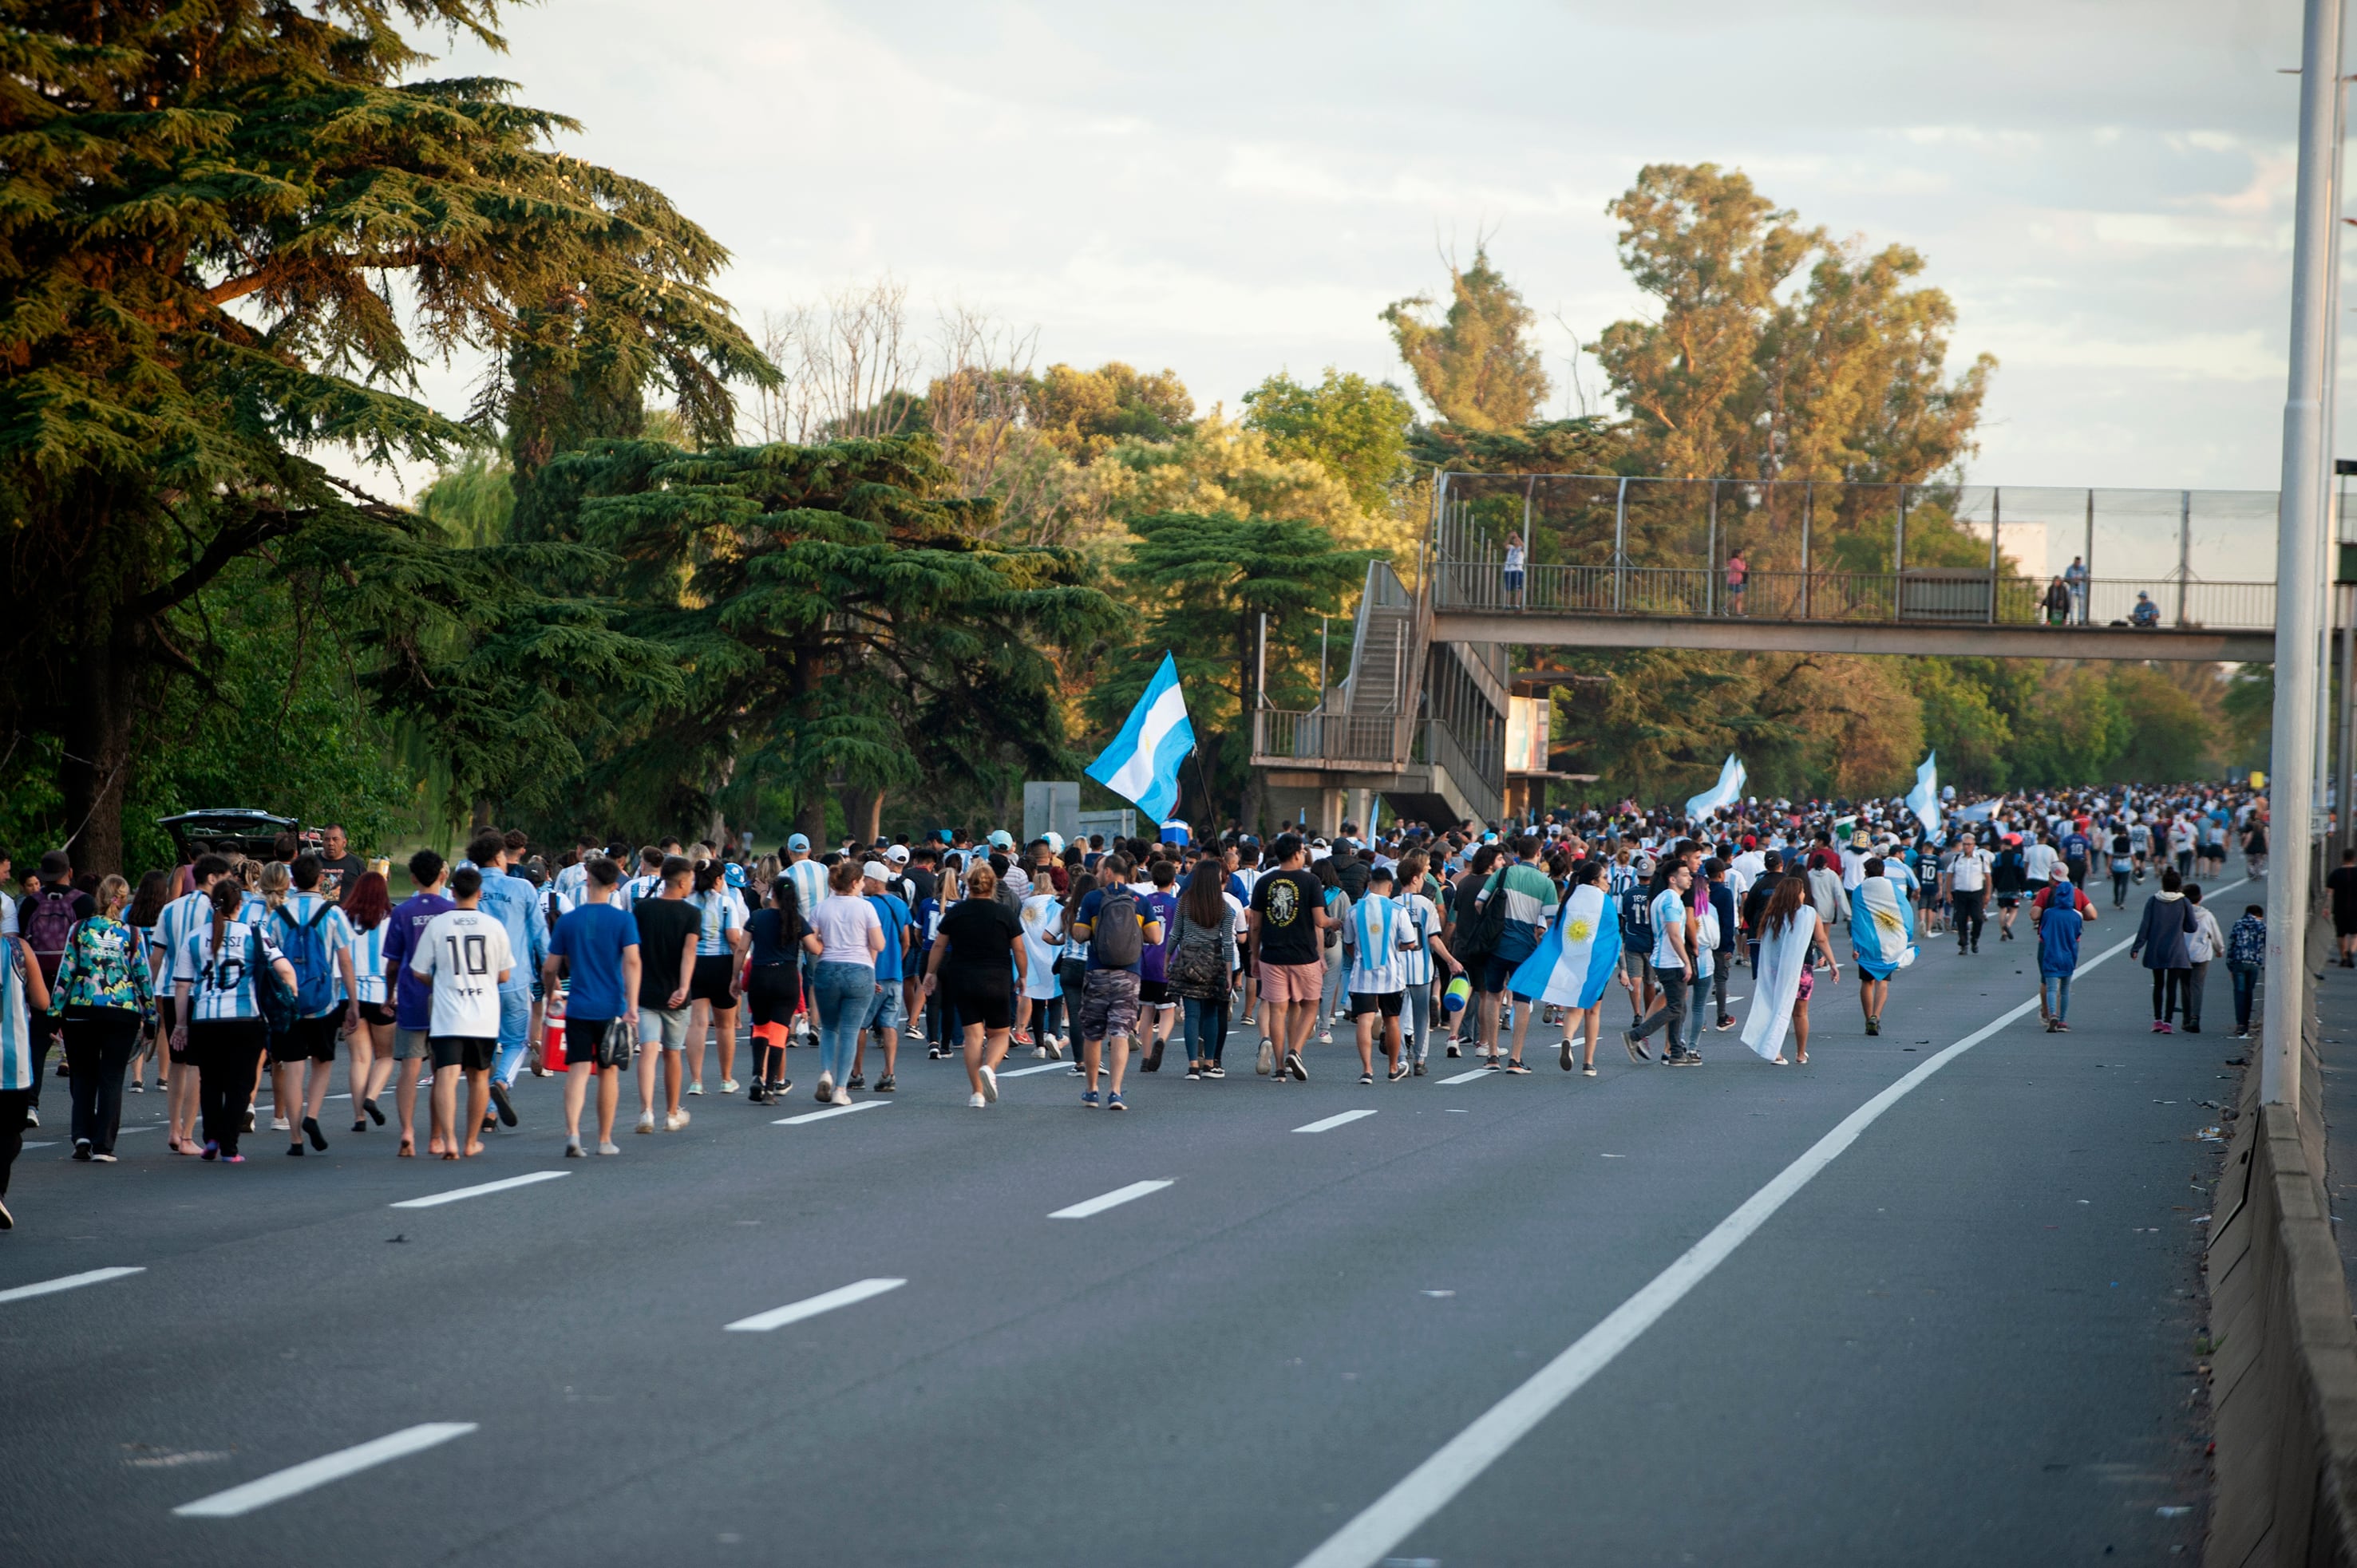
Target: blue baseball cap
[(798, 842), (735, 875)]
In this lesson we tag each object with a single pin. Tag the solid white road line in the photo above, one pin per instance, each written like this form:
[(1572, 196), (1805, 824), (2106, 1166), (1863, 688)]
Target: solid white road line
[(1005, 1073), (828, 1112), (69, 1282), (1464, 1077), (1344, 1118), (1112, 1199), (436, 1199), (318, 1472), (1433, 1485), (777, 1317)]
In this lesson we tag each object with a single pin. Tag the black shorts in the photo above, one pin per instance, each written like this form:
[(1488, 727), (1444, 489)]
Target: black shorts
[(2008, 900), (309, 1040), (775, 990), (1496, 971), (1386, 1002), (595, 1042), (714, 971), (1154, 993), (377, 1013), (989, 1003), (469, 1052)]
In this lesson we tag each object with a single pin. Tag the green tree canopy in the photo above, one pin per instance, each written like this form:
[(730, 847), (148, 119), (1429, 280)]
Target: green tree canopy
[(1476, 366), (1739, 377), (831, 611), (233, 233), (1357, 428)]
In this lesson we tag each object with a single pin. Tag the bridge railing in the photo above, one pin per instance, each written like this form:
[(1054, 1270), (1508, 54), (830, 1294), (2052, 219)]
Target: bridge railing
[(1944, 594), (1321, 737)]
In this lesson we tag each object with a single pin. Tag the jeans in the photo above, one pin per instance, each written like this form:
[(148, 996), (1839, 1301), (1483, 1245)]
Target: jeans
[(2119, 888), (1696, 1018), (2167, 994), (1673, 1010), (99, 1043), (842, 992), (1418, 1019), (515, 1035), (2054, 991), (2247, 988), (1201, 1021), (1330, 1001), (2189, 988)]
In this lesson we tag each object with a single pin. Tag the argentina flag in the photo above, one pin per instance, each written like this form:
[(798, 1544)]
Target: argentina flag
[(1141, 766), (1576, 961), (1881, 927)]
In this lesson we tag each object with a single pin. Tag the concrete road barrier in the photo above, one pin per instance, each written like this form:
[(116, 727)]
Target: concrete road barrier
[(2283, 1384)]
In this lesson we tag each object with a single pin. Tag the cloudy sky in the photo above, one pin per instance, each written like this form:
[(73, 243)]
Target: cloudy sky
[(2104, 188)]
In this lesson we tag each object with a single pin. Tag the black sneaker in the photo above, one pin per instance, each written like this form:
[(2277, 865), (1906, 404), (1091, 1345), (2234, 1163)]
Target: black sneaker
[(81, 1148), (1452, 1052), (1366, 1080), (499, 1099), (1401, 1071), (1293, 1065), (1563, 1057), (1637, 1052), (1419, 1069), (1517, 1069), (1590, 1070), (885, 1085), (858, 1080)]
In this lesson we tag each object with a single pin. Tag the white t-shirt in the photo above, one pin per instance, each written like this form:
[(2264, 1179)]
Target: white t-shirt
[(464, 955), (1969, 871), (843, 922), (2038, 864)]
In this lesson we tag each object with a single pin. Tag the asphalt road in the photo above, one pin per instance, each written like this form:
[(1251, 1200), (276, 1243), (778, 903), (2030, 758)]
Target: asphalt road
[(1969, 1337)]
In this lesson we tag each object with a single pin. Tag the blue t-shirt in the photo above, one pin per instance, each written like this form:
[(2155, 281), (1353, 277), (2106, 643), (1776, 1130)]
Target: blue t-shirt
[(1086, 914), (2058, 938), (591, 939), (2074, 847), (414, 999), (895, 916)]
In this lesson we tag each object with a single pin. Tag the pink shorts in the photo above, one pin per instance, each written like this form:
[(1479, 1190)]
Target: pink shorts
[(1808, 984), (1293, 981)]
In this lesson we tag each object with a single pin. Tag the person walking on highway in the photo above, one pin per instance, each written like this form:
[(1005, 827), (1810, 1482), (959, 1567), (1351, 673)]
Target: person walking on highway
[(1881, 937), (104, 994), (1674, 963), (2203, 942), (2058, 923), (23, 994), (2342, 884), (969, 965), (2162, 939), (595, 947), (1969, 880), (1791, 938), (2246, 954)]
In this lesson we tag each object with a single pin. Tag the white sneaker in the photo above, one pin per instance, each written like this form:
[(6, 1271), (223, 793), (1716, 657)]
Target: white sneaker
[(675, 1122), (825, 1088), (727, 1085), (279, 1124), (646, 1120), (989, 1085), (1039, 1053), (975, 1103), (609, 1147), (843, 1097)]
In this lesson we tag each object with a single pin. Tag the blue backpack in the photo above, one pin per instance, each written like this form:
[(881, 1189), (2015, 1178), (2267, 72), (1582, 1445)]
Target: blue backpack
[(306, 947)]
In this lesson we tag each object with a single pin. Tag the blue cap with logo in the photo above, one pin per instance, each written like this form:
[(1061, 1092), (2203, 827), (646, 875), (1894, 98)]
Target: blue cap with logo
[(797, 845)]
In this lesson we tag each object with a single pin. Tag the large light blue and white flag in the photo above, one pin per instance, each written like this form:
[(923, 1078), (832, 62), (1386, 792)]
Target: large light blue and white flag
[(1881, 927), (1924, 799), (1141, 766), (1727, 791), (1576, 961)]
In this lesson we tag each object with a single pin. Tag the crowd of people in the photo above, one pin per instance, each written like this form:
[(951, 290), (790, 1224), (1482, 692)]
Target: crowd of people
[(616, 967)]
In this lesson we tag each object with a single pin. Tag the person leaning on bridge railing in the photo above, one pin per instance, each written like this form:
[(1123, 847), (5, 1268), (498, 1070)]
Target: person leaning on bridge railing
[(2057, 602)]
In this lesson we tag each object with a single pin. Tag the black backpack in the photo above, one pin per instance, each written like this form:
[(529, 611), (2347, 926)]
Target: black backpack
[(1116, 936), (1486, 929)]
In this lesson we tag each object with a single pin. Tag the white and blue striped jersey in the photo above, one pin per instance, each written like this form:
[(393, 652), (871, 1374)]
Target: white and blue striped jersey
[(809, 879), (644, 885), (223, 987), (721, 914), (1378, 928), (180, 916), (1424, 924), (15, 1020), (368, 962)]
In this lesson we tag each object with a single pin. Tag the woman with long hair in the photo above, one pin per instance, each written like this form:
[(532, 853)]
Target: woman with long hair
[(1789, 935), (219, 1025), (778, 936), (976, 961), (147, 908), (104, 994), (368, 905), (720, 949), (1201, 965), (851, 938)]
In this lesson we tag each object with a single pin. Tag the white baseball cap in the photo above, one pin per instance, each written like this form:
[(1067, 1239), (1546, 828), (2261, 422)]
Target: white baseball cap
[(897, 855), (877, 870)]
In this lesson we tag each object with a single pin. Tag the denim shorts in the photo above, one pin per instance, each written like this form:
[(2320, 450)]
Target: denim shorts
[(883, 1013)]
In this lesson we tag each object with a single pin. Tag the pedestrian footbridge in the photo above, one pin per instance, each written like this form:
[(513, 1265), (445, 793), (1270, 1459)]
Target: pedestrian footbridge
[(1424, 709)]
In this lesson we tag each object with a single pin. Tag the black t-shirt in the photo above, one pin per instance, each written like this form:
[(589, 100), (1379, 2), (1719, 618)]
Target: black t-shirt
[(336, 875), (664, 926), (927, 883), (1288, 929), (771, 942), (1754, 903), (982, 933), (2344, 883)]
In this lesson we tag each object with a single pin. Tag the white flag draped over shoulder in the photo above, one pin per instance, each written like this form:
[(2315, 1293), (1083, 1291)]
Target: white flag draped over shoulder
[(1141, 764), (1726, 793)]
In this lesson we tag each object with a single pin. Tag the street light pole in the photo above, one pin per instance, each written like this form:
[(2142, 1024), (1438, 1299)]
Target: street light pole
[(2298, 542)]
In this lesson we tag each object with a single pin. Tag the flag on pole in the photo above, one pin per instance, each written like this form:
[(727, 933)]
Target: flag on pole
[(1726, 793), (1141, 766), (1924, 799)]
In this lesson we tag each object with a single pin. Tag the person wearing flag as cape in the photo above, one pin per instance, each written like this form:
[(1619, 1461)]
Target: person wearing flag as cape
[(1882, 936), (1789, 934), (1578, 962)]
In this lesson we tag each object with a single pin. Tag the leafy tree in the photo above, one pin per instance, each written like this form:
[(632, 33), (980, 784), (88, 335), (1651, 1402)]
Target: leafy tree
[(212, 209), (1220, 467), (2248, 711), (1589, 444), (2168, 735), (830, 610), (1967, 718), (1084, 413), (473, 500), (1203, 583), (1357, 428), (1843, 379), (1476, 366)]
